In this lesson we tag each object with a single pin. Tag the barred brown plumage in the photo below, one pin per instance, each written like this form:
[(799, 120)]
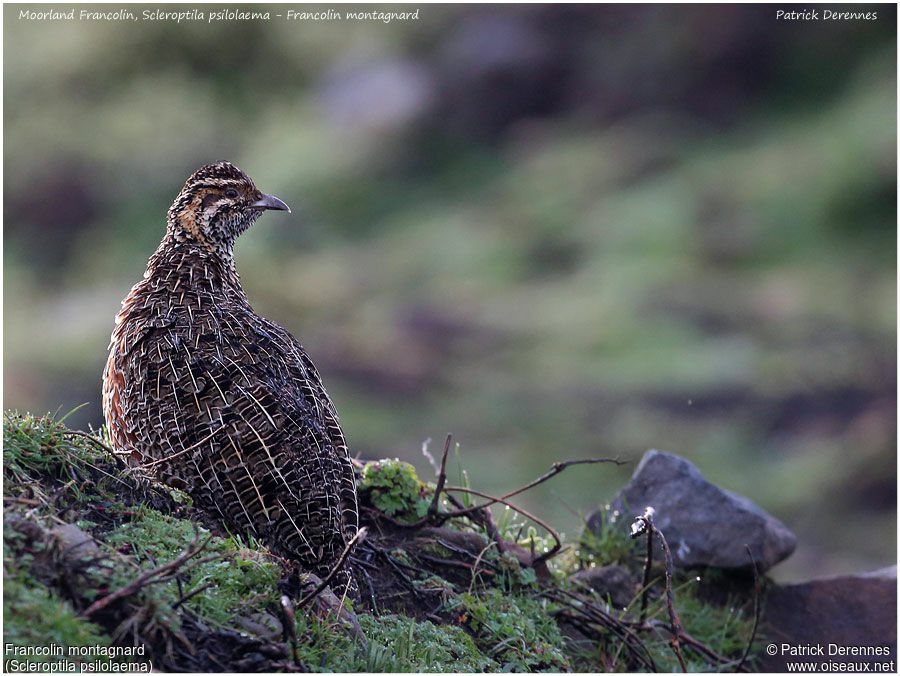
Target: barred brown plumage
[(217, 401)]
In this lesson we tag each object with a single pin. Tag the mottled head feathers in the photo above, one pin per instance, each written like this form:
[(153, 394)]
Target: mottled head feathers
[(217, 203)]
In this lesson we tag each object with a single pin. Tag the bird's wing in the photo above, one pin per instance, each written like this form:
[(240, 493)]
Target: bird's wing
[(305, 379)]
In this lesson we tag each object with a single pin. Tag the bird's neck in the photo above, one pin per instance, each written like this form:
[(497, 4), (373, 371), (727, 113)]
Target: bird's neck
[(188, 264)]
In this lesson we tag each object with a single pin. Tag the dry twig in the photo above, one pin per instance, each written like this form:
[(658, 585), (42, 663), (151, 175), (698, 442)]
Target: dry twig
[(163, 573), (442, 478), (191, 594), (355, 540), (645, 596), (556, 468), (756, 592), (644, 524), (503, 501), (583, 614)]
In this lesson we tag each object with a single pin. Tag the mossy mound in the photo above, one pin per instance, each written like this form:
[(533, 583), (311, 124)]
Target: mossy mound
[(103, 565)]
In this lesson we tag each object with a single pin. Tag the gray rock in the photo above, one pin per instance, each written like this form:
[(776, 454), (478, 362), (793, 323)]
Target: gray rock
[(856, 613), (703, 524), (612, 582), (73, 542)]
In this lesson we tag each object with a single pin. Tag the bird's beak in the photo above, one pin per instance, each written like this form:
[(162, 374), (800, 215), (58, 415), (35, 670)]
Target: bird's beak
[(270, 202)]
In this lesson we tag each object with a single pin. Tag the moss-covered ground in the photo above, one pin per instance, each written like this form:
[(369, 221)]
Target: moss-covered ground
[(103, 565)]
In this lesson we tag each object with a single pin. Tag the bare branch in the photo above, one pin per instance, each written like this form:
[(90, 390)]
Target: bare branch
[(442, 478), (163, 573), (191, 594), (477, 561), (644, 524), (756, 591), (584, 611), (556, 468), (491, 500), (645, 596), (355, 540)]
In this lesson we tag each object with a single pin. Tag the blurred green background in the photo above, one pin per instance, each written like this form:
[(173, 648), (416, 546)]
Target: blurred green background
[(554, 231)]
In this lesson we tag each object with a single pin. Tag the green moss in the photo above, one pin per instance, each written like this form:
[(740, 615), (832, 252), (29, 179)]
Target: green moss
[(393, 488), (35, 616), (436, 549), (402, 644), (514, 630), (236, 576), (394, 644), (434, 583), (39, 446)]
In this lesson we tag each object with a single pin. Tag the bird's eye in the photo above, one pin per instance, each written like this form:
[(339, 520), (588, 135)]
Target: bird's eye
[(231, 193)]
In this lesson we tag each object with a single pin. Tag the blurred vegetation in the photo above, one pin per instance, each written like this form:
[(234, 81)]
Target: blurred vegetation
[(555, 231)]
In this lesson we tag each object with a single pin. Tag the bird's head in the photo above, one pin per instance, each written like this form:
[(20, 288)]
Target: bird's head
[(217, 203)]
